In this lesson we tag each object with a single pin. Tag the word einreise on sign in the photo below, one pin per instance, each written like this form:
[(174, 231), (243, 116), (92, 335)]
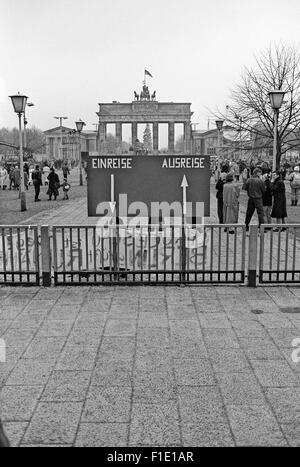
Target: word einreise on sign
[(167, 163)]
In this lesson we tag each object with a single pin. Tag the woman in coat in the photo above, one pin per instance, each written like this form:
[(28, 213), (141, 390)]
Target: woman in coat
[(279, 199), (219, 196), (231, 193), (53, 184)]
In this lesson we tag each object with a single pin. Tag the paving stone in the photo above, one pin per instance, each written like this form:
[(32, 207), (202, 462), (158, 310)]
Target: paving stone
[(254, 425), (54, 423), (152, 320), (222, 338), (154, 425), (208, 306), (91, 320), (285, 403), (55, 328), (18, 337), (85, 336), (117, 347), (272, 373), (274, 321), (94, 306), (118, 327), (266, 306), (228, 360), (108, 405), (40, 305), (214, 321), (153, 337), (184, 311), (65, 312), (188, 349), (77, 358), (47, 293), (113, 373), (194, 372), (248, 328), (154, 393), (15, 432), (18, 403), (45, 349), (66, 386), (27, 322), (30, 373), (206, 433), (292, 433), (240, 388), (200, 405), (284, 337), (102, 435), (9, 313), (260, 349), (189, 328)]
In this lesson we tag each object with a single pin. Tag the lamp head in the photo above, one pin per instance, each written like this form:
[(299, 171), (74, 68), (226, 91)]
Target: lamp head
[(276, 98), (19, 102), (79, 125)]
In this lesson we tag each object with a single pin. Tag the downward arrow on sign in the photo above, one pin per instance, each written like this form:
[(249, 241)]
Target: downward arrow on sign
[(112, 203)]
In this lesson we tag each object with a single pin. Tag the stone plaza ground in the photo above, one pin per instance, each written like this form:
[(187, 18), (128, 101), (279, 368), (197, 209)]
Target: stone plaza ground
[(156, 366), (148, 366)]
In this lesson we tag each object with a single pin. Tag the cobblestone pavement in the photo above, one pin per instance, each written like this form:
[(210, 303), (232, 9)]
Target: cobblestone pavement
[(150, 366)]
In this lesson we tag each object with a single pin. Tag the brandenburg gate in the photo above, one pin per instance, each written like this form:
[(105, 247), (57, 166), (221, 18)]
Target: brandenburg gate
[(146, 110)]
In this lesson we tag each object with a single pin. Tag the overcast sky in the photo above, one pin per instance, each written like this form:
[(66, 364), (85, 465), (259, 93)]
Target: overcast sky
[(69, 55)]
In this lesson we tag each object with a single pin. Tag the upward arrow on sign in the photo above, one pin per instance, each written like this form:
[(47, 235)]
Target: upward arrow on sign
[(184, 185)]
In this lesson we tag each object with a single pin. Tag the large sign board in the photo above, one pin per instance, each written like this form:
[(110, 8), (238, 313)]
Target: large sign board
[(149, 179)]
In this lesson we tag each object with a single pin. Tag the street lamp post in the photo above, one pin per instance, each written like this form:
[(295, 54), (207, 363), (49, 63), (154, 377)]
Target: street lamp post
[(276, 99), (219, 125), (61, 134), (19, 104), (79, 125), (28, 104)]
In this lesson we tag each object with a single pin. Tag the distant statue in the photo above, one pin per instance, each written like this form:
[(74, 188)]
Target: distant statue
[(145, 95), (153, 96), (136, 96)]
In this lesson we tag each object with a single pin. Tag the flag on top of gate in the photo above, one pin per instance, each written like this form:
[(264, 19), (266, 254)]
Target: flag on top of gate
[(148, 73)]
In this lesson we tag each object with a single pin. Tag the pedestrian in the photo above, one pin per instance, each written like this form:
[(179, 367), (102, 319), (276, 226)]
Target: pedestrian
[(219, 196), (295, 185), (235, 169), (231, 193), (12, 177), (3, 178), (66, 187), (37, 182), (279, 203), (255, 188), (53, 184), (17, 177), (46, 171), (267, 198), (65, 170)]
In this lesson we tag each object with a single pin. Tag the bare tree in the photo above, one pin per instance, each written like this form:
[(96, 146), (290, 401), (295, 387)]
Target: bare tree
[(250, 111)]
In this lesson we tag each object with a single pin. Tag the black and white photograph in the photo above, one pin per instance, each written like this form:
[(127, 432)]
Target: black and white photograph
[(150, 226)]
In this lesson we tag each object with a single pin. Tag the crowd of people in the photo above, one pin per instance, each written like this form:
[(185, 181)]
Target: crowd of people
[(265, 189), (10, 178)]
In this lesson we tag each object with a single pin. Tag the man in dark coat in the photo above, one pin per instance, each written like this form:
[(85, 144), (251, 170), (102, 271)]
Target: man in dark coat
[(37, 181), (53, 184), (279, 204), (255, 188)]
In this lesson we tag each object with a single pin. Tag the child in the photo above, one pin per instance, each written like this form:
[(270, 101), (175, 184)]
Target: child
[(65, 186)]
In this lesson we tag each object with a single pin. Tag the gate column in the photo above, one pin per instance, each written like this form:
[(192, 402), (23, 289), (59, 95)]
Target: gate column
[(102, 137), (187, 137), (171, 136), (155, 137), (133, 133)]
